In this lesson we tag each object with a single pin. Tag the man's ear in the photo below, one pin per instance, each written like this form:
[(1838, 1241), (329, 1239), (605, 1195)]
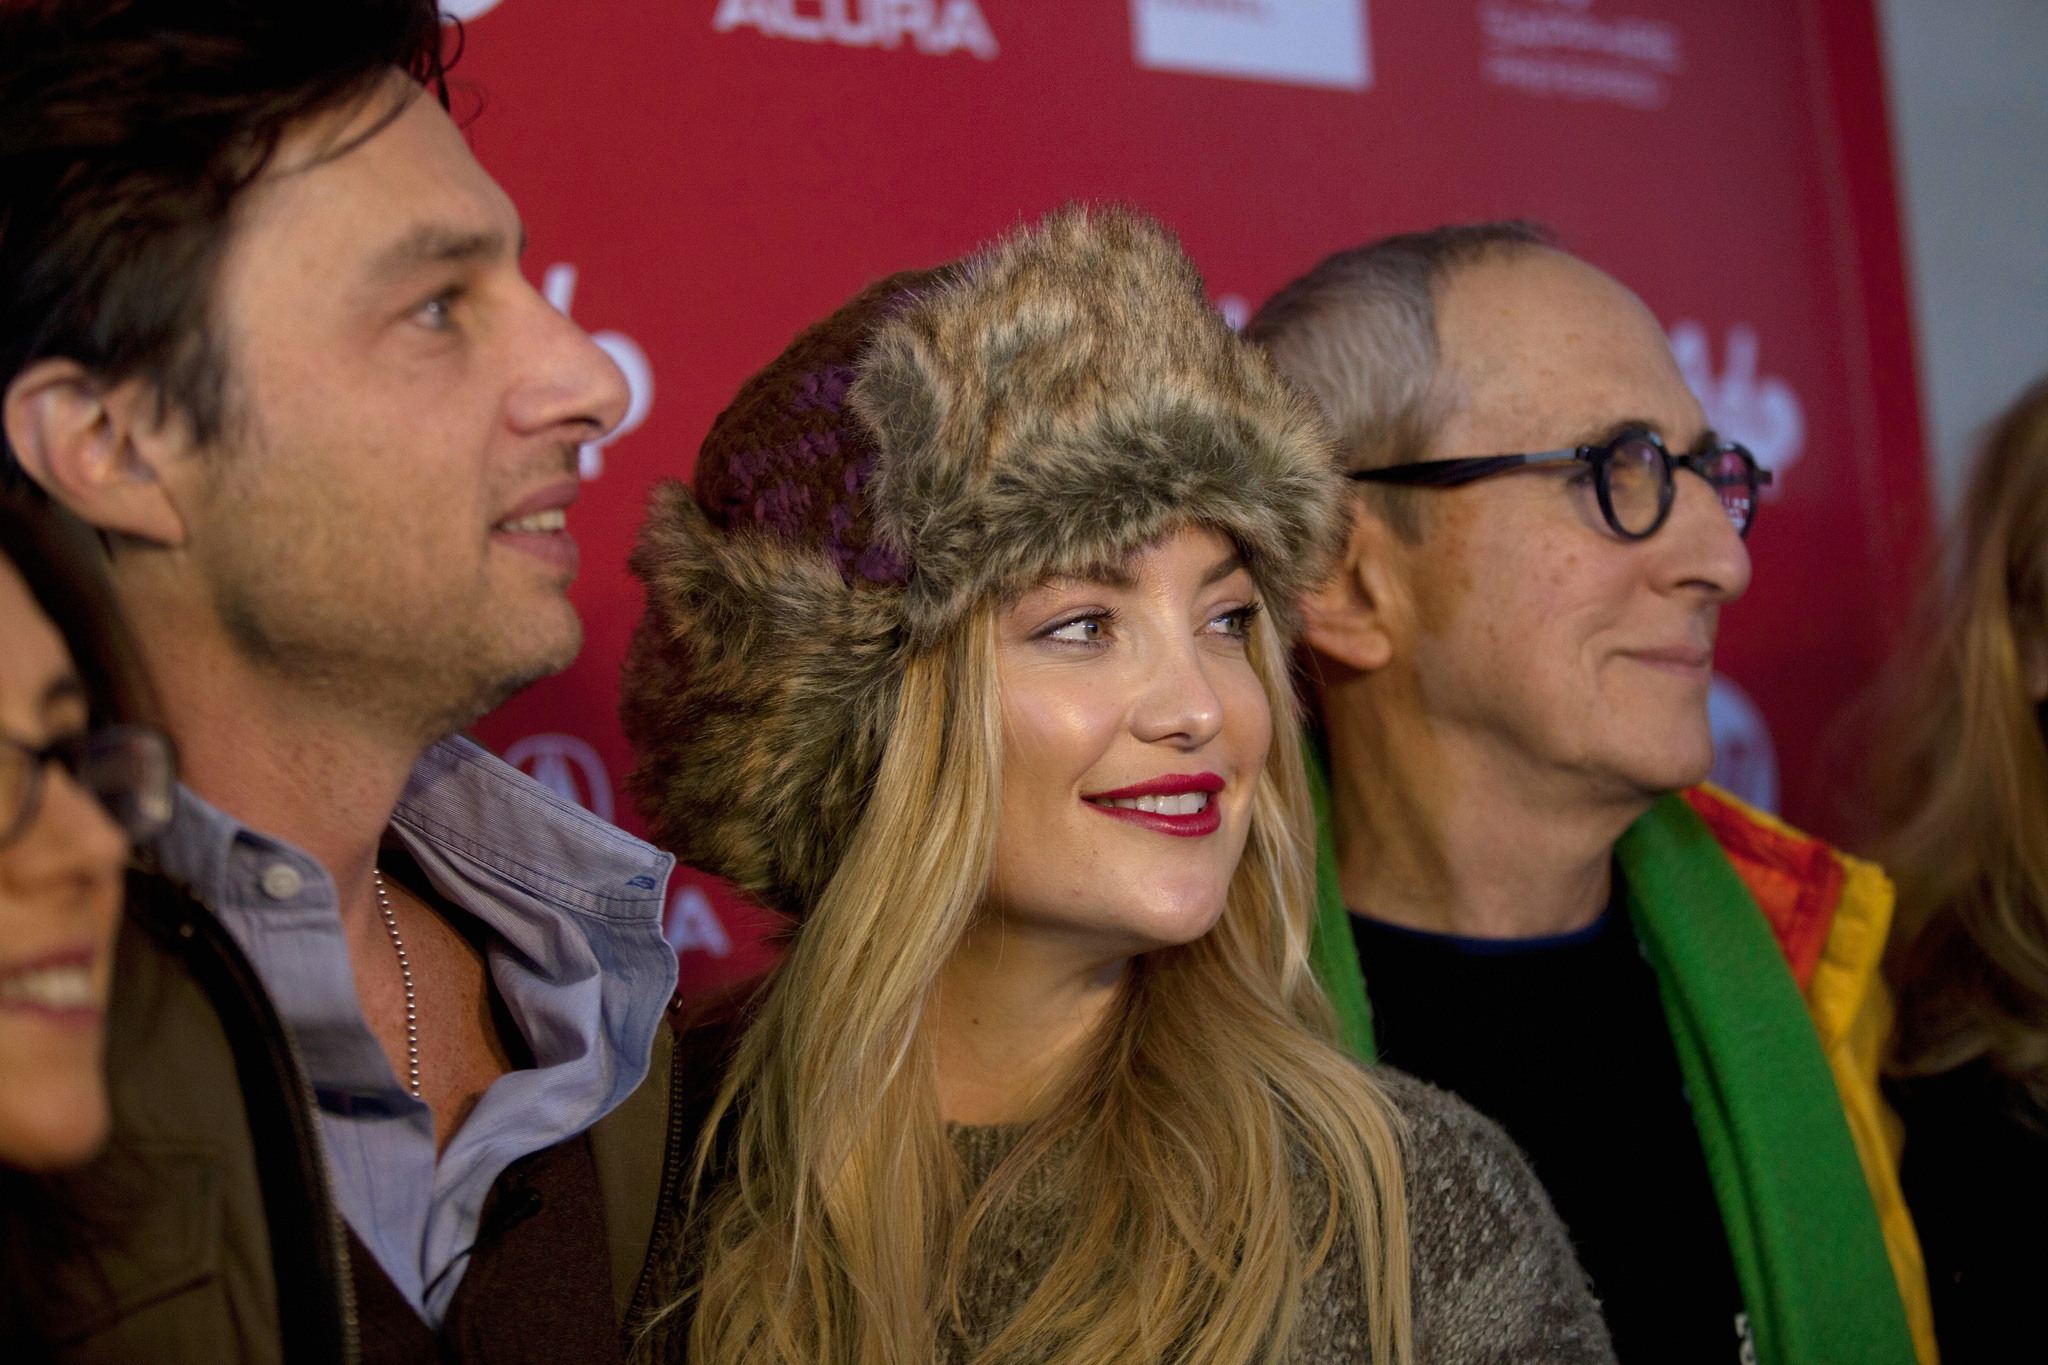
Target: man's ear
[(1352, 618), (99, 450)]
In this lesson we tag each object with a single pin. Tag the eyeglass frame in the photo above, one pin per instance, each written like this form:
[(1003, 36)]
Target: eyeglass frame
[(70, 753), (1455, 473)]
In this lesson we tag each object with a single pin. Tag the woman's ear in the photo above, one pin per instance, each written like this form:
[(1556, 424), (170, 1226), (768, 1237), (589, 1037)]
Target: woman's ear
[(1352, 618), (100, 451)]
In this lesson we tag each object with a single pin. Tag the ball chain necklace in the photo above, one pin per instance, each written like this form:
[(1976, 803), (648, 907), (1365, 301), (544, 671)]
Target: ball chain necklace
[(412, 1014)]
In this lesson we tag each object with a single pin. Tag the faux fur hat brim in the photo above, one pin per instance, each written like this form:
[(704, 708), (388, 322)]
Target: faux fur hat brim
[(1067, 402), (1052, 406)]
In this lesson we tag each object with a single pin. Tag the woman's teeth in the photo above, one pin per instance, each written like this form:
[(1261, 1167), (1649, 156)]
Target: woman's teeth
[(51, 988), (1188, 803), (554, 519)]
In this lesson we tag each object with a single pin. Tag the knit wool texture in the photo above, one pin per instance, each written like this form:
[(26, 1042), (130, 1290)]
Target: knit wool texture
[(1495, 1281), (1049, 406)]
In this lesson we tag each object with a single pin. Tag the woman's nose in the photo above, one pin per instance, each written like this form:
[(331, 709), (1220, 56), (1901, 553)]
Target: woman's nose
[(1179, 705), (72, 839)]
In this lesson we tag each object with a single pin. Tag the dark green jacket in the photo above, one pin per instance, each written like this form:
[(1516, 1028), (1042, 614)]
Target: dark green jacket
[(212, 1238)]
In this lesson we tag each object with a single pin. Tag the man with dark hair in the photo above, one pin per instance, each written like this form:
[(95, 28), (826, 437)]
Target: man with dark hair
[(1669, 999), (381, 1038)]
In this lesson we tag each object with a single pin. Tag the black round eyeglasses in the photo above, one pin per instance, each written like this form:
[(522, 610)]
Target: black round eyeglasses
[(129, 769), (1632, 475)]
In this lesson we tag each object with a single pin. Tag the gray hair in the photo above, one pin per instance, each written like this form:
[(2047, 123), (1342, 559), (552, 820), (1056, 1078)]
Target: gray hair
[(1358, 334)]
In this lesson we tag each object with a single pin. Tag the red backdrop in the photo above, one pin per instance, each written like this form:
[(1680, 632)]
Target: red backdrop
[(700, 178)]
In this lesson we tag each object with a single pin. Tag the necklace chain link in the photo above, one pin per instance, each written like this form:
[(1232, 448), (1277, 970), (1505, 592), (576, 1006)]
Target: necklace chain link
[(412, 1015)]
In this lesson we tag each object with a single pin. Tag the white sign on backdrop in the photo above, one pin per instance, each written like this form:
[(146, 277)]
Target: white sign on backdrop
[(1745, 760), (557, 762), (1759, 411), (558, 286), (693, 926), (1561, 48), (935, 27), (1292, 42)]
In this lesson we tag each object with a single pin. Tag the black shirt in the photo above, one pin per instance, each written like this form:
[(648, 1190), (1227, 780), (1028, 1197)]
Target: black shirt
[(1563, 1042), (1975, 1175)]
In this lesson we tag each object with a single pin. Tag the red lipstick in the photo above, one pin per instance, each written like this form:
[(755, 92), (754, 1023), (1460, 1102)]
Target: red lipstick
[(1187, 824)]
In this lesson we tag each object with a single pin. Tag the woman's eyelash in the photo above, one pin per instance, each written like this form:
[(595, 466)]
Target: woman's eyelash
[(1244, 616), (1102, 616)]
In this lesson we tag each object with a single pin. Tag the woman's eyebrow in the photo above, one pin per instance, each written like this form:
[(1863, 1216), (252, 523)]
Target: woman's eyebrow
[(1223, 568), (62, 690), (1102, 575)]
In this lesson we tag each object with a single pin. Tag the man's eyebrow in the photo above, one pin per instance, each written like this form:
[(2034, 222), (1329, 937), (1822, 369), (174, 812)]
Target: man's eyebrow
[(1613, 431), (432, 244)]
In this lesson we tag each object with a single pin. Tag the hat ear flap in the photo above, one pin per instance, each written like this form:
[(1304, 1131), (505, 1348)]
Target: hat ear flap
[(901, 397), (758, 695)]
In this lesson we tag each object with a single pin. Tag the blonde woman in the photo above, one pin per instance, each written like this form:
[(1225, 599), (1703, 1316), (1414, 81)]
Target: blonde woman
[(969, 650), (1965, 777)]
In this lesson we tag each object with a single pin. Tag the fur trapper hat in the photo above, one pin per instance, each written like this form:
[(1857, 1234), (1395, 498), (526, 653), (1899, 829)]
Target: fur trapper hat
[(1049, 406)]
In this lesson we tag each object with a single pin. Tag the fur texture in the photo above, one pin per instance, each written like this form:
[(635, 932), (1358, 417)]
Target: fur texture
[(1052, 405)]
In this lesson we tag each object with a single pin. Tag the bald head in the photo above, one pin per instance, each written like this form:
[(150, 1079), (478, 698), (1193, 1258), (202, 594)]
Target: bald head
[(1537, 350), (1432, 344), (1502, 626)]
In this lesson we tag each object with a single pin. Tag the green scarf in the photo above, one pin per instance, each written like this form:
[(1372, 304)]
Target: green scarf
[(1803, 1231)]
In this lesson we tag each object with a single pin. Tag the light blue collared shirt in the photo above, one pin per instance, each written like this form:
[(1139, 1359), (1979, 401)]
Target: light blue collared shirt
[(574, 906)]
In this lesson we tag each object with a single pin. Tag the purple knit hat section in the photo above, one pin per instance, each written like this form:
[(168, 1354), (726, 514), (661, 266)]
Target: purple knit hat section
[(788, 456)]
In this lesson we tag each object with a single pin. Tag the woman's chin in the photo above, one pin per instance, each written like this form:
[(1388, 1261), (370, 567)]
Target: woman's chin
[(1176, 921), (64, 1126)]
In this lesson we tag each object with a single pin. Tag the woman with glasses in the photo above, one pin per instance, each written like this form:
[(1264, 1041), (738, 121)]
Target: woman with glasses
[(76, 787), (79, 790)]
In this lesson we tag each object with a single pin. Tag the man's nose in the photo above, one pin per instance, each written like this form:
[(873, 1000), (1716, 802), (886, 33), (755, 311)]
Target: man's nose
[(571, 384), (1702, 550), (1179, 705)]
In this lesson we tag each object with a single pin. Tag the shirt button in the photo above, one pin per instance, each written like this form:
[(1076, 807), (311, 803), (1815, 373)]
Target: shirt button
[(281, 881)]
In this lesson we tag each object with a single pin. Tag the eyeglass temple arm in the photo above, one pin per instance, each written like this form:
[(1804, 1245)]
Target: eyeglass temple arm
[(1438, 473)]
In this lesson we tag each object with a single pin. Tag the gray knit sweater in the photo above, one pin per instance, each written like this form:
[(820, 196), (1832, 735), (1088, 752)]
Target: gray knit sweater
[(1495, 1281)]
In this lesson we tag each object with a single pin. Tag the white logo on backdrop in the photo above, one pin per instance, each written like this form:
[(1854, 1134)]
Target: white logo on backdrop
[(693, 924), (1560, 48), (558, 286), (1744, 761), (1292, 42), (557, 762), (935, 27), (466, 10), (1760, 411)]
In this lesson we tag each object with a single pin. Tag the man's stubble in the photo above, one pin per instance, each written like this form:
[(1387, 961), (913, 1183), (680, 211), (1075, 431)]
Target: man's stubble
[(348, 602)]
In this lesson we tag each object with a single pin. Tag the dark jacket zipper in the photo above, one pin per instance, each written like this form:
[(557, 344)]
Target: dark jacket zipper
[(671, 1180)]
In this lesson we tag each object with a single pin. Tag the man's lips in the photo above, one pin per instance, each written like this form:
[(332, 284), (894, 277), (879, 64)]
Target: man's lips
[(1183, 804), (1690, 659), (58, 986), (538, 525)]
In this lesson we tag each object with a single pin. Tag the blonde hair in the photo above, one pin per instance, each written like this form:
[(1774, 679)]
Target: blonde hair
[(835, 1226), (1964, 774)]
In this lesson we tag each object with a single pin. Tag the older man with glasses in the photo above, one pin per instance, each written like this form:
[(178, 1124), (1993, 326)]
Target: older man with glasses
[(1669, 999)]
